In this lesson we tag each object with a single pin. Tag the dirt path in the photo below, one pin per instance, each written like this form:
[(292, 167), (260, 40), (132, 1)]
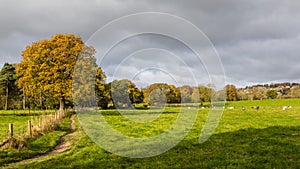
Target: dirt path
[(62, 146)]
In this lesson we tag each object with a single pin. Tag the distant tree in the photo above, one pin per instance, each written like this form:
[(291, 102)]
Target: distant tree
[(158, 97), (173, 94), (124, 93), (259, 93), (195, 95), (88, 81), (102, 90), (241, 94), (8, 83), (205, 93), (271, 94), (104, 95), (231, 93), (186, 93), (295, 91), (161, 93), (48, 65)]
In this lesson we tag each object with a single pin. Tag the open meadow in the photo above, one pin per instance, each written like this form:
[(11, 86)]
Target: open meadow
[(250, 138)]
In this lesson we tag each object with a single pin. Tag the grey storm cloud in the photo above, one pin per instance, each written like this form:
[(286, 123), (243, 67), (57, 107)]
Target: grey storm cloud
[(257, 41)]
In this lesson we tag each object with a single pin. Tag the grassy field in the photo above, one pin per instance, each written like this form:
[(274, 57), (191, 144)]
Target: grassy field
[(264, 138), (19, 120), (35, 146)]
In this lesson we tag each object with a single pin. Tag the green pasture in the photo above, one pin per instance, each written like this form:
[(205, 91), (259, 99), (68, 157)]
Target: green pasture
[(264, 138), (35, 146)]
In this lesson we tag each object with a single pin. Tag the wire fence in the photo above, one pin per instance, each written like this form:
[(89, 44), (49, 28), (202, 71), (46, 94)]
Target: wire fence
[(16, 126)]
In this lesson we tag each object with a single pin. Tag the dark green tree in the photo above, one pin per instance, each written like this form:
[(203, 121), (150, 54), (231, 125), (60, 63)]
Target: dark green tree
[(124, 93), (161, 93), (8, 83)]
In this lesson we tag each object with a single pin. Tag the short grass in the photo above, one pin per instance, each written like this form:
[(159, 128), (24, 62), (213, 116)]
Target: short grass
[(19, 125), (265, 138), (19, 119)]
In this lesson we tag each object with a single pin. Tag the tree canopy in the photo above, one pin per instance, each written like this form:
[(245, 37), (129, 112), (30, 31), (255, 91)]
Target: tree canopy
[(47, 66), (124, 93), (8, 83)]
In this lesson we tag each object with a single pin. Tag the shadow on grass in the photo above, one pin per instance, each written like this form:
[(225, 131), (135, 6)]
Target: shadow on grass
[(273, 147)]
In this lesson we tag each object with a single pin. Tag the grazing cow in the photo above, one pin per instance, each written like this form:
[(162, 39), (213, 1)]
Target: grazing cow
[(243, 108), (255, 107), (286, 107), (230, 108)]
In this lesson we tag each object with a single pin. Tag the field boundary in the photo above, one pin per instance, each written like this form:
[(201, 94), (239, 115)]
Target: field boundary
[(42, 124)]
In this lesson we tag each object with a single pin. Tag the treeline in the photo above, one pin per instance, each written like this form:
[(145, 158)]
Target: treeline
[(45, 79), (119, 93), (269, 91)]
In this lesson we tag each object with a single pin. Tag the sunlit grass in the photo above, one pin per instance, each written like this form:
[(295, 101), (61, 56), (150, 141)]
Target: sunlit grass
[(264, 138)]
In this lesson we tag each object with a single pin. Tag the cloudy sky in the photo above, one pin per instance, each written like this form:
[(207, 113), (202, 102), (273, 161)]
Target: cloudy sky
[(256, 41)]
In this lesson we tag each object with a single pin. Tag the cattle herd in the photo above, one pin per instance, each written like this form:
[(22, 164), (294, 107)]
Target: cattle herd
[(257, 107)]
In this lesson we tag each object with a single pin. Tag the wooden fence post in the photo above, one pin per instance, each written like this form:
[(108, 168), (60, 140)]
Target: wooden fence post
[(11, 130), (29, 128)]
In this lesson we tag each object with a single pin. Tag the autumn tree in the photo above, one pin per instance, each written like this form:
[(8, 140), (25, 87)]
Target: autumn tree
[(47, 66), (271, 94), (205, 93), (161, 93), (174, 94), (295, 91), (259, 93), (8, 83), (103, 92), (88, 82), (231, 93), (241, 94)]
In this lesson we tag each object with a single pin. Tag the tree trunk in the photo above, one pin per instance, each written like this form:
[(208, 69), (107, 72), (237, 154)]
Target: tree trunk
[(24, 99), (61, 104), (41, 101), (6, 98)]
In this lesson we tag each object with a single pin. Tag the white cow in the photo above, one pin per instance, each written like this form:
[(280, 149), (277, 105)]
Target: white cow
[(286, 107)]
